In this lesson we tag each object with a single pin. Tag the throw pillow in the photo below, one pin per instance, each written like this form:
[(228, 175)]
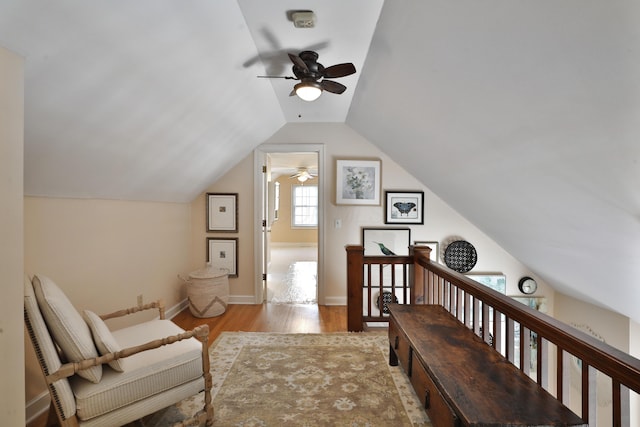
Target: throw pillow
[(70, 331), (104, 340)]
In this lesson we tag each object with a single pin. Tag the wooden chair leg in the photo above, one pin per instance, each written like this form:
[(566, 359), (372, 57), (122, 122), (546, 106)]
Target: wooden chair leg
[(52, 417)]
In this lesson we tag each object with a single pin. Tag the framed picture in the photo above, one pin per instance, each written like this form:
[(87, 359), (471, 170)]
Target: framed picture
[(404, 207), (222, 253), (433, 256), (222, 212), (358, 182), (386, 241)]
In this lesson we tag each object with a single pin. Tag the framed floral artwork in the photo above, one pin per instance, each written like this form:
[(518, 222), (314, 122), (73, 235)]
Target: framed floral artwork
[(358, 182)]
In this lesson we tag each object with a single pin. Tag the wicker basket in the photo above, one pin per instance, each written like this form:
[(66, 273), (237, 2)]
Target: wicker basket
[(208, 292)]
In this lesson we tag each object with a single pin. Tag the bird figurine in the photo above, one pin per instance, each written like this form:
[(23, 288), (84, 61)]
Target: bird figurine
[(385, 250)]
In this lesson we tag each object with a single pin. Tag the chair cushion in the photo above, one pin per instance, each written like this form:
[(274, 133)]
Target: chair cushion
[(102, 337), (60, 391), (145, 374), (70, 331)]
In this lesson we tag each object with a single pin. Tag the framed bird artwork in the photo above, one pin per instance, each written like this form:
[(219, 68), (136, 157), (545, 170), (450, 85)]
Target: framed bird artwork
[(404, 207), (387, 241)]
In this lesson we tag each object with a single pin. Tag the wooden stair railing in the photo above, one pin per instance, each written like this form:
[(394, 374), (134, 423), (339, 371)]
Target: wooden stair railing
[(508, 326)]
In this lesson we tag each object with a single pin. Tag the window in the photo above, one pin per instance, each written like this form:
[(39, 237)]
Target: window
[(304, 206)]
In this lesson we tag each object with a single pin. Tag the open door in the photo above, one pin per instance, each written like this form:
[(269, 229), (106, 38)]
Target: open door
[(265, 201)]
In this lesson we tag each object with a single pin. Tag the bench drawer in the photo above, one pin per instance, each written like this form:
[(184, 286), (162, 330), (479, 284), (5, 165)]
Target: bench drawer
[(400, 345), (440, 414)]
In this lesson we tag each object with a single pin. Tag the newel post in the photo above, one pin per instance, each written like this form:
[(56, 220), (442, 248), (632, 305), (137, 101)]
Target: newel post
[(417, 278), (355, 281)]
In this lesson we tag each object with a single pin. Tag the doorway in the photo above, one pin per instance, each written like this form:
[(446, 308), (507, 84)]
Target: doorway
[(289, 242)]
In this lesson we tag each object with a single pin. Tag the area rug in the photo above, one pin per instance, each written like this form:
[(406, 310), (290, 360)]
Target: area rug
[(338, 379)]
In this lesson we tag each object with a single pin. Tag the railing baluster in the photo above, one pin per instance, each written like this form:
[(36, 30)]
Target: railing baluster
[(560, 374), (525, 349), (467, 310), (543, 365), (589, 404), (369, 291), (510, 344), (497, 331), (486, 324)]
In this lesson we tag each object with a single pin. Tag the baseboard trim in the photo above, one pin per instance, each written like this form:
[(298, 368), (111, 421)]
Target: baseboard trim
[(37, 406), (242, 299), (335, 300), (174, 310)]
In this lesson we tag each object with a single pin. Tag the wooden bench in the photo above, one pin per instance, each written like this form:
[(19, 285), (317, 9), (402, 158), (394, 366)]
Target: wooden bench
[(460, 379)]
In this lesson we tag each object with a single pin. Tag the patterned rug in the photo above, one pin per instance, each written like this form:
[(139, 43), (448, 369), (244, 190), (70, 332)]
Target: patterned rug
[(339, 379)]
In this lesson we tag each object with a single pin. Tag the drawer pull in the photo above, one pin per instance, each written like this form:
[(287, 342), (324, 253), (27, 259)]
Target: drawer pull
[(397, 342), (427, 399)]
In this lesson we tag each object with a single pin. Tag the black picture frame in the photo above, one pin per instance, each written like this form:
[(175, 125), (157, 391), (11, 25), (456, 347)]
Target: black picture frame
[(394, 241), (222, 212), (404, 207), (222, 253)]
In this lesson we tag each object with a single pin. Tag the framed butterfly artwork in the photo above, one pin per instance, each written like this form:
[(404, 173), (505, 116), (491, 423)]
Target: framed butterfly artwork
[(404, 207)]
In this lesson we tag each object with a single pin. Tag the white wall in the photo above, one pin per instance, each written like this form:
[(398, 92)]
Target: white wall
[(103, 254), (341, 142), (11, 239)]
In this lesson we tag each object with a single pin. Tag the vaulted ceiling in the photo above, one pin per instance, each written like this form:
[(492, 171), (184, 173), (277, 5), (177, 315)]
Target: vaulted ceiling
[(523, 116)]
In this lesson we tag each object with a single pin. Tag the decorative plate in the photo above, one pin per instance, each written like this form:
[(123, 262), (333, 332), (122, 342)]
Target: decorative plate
[(460, 256), (385, 299)]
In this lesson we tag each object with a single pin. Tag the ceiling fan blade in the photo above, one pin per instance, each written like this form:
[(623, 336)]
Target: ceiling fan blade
[(333, 87), (292, 93), (298, 61), (277, 77), (339, 70)]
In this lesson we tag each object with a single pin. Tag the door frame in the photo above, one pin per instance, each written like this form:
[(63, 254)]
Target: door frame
[(260, 203)]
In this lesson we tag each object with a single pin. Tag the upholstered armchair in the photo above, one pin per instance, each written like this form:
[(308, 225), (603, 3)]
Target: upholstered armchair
[(97, 377)]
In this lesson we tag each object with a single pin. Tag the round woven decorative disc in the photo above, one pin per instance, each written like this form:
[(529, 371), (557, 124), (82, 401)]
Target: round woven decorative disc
[(460, 256), (386, 298)]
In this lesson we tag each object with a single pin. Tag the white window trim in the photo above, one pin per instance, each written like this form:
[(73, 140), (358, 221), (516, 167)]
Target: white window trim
[(293, 206)]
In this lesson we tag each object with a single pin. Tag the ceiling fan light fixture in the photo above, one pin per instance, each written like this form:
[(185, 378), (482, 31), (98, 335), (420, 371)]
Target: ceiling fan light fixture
[(308, 90)]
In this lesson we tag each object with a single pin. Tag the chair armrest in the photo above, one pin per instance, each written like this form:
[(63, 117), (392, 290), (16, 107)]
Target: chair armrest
[(68, 369), (159, 304)]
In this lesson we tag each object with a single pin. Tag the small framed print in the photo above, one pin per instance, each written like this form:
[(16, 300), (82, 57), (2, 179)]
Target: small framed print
[(222, 253), (222, 212), (433, 256), (404, 207), (358, 182), (386, 241)]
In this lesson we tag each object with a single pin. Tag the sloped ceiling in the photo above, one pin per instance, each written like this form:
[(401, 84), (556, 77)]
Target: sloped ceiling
[(523, 116), (526, 118)]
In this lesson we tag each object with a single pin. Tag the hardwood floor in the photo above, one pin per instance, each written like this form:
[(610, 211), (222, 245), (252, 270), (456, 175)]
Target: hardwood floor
[(285, 318)]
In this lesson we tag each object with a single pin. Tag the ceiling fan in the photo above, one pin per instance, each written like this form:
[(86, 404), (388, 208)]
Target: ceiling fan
[(302, 175), (313, 75)]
